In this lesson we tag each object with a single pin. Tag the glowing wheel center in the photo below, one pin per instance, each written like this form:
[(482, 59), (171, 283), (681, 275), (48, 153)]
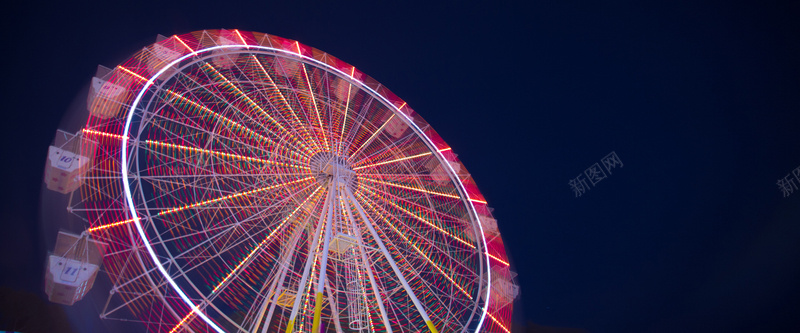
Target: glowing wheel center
[(328, 167)]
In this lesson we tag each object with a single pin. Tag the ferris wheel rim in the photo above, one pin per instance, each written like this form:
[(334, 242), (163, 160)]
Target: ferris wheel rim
[(421, 134)]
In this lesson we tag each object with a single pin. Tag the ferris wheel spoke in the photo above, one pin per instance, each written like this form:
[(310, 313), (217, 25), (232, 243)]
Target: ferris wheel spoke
[(446, 195), (296, 123), (168, 146), (310, 261), (262, 243), (399, 159), (440, 212), (450, 276), (229, 197), (388, 257), (371, 137), (167, 129), (388, 148), (220, 225), (221, 78), (316, 108), (345, 112), (209, 173), (414, 274), (244, 221), (235, 127), (418, 217), (422, 239), (295, 94), (189, 124), (277, 282), (360, 124), (436, 293), (367, 267)]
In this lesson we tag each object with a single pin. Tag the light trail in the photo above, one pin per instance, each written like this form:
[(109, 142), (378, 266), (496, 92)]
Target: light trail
[(108, 135), (252, 103), (412, 188), (206, 202), (222, 154), (392, 161), (106, 226), (314, 103), (498, 322), (255, 249), (230, 196), (225, 120), (373, 134), (182, 43), (241, 38), (285, 102), (496, 258), (132, 73), (420, 218), (346, 111), (399, 159), (446, 275), (180, 323)]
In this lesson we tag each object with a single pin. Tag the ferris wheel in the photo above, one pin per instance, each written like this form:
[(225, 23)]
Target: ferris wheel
[(248, 183)]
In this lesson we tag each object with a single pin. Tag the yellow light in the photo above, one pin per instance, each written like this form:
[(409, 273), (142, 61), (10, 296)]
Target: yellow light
[(498, 322), (184, 44), (222, 154), (240, 37), (132, 73), (230, 196), (412, 188), (421, 219), (251, 102), (446, 275), (344, 120), (496, 258), (108, 135), (106, 226), (314, 103), (175, 329), (373, 134), (224, 119), (399, 159)]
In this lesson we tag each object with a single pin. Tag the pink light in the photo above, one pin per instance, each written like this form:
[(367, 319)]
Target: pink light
[(184, 44)]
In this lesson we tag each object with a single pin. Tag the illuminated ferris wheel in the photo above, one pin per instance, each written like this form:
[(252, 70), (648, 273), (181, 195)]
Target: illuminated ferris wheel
[(248, 183)]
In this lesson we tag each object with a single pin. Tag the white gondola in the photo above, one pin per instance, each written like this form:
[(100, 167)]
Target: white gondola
[(67, 162), (72, 267), (161, 54), (438, 172), (343, 90), (108, 93), (287, 68), (504, 287), (489, 225), (226, 58)]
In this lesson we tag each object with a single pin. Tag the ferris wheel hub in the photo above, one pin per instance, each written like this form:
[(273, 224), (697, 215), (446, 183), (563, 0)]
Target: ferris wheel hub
[(329, 167)]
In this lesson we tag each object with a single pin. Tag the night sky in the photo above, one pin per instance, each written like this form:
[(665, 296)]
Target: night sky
[(700, 100)]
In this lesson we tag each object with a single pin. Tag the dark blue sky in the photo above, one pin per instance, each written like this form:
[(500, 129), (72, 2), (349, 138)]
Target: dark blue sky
[(700, 100)]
